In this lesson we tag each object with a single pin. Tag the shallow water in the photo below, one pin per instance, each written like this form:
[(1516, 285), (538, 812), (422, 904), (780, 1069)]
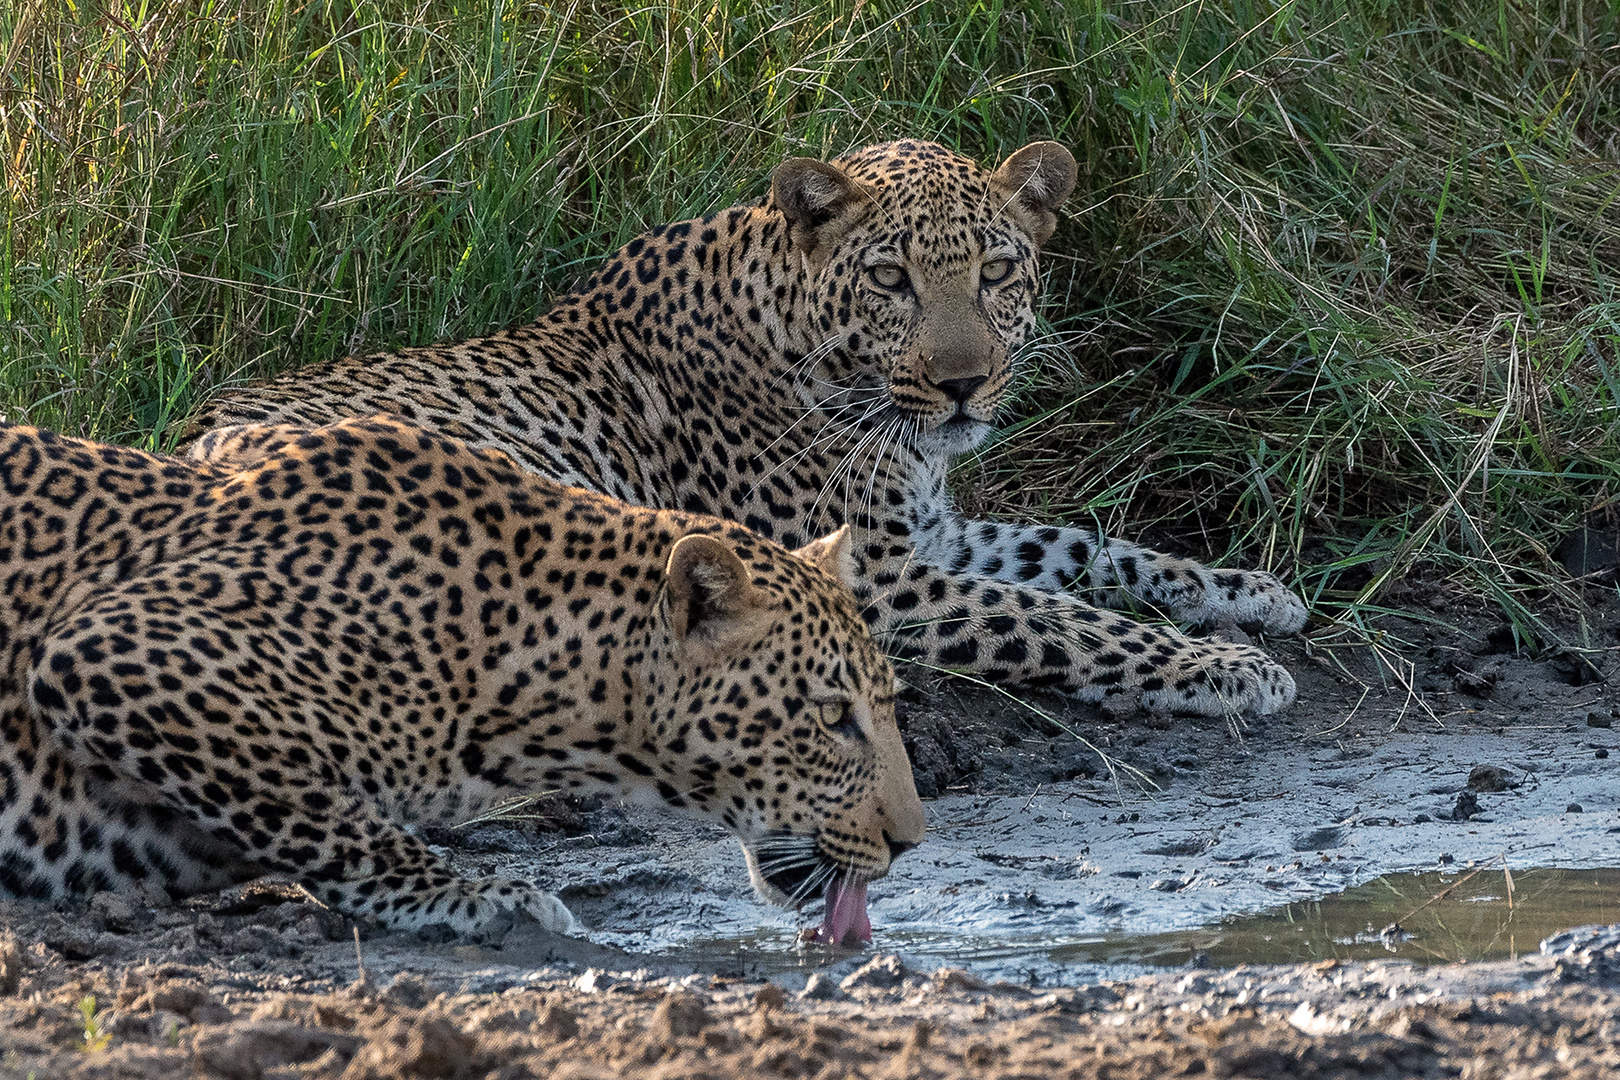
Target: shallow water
[(1302, 852), (1428, 917), (1424, 917)]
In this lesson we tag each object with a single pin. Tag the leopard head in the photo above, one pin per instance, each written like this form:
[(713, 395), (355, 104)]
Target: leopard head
[(778, 721), (921, 275)]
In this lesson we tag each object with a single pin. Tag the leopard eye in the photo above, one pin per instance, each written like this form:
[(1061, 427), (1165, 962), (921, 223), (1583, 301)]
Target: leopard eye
[(995, 270), (889, 276), (839, 716)]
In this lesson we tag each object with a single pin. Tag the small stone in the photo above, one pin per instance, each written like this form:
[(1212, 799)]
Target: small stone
[(1321, 839), (1599, 720), (1601, 753), (409, 990), (594, 981), (1193, 984), (1489, 779), (681, 1015), (1421, 819), (770, 997), (818, 987), (1574, 808), (882, 972), (957, 979), (115, 912), (1168, 885), (1467, 806)]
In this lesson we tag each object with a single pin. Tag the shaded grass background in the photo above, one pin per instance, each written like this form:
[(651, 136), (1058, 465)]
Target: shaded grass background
[(1336, 294)]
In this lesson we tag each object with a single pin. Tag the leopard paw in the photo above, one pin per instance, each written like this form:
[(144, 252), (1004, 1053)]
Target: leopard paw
[(1252, 599), (484, 910), (1255, 600), (1220, 679)]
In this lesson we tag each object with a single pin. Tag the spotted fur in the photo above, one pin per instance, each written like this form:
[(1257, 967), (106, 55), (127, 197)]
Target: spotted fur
[(281, 655), (818, 361)]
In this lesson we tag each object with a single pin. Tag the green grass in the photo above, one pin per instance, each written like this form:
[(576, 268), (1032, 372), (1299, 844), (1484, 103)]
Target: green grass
[(1338, 287)]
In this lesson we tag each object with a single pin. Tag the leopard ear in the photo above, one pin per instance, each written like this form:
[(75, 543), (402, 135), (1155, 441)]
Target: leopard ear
[(814, 195), (1036, 180), (709, 592), (833, 555)]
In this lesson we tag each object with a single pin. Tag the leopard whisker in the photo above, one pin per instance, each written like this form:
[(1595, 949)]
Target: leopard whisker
[(885, 452), (842, 470), (810, 410), (814, 883), (831, 433), (809, 359)]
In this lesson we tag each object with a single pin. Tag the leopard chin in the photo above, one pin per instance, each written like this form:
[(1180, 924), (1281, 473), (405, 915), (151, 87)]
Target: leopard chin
[(955, 435)]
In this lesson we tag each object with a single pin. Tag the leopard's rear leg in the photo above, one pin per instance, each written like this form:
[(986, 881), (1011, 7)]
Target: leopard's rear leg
[(187, 706)]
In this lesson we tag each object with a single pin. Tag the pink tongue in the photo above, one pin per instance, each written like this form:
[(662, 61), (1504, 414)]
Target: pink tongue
[(846, 914)]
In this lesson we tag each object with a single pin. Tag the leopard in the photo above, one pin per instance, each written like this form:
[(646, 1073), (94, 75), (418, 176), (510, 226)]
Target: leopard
[(292, 651), (818, 360)]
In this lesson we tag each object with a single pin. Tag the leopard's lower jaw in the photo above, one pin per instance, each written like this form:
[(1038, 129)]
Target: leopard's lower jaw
[(956, 435)]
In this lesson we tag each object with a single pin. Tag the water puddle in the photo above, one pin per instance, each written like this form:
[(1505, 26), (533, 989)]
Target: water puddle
[(1425, 917)]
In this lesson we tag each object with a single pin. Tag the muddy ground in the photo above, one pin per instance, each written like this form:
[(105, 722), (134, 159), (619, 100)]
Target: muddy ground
[(1433, 747)]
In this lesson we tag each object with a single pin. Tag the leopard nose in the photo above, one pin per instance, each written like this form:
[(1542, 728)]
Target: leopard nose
[(897, 848), (961, 389)]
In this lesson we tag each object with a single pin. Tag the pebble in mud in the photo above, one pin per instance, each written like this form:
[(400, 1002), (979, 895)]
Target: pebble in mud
[(681, 1015), (882, 972), (821, 987), (1329, 836), (1489, 779)]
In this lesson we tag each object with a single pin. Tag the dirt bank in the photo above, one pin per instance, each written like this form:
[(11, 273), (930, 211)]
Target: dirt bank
[(247, 1016)]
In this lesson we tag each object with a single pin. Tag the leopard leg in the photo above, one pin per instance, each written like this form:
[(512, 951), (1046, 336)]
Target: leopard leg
[(89, 835), (205, 717), (1114, 572), (1025, 637)]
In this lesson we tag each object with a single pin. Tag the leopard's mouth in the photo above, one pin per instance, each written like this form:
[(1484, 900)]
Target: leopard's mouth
[(789, 869)]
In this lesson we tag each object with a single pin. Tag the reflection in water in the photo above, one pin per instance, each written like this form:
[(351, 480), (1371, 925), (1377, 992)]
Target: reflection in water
[(1483, 914), (1429, 917)]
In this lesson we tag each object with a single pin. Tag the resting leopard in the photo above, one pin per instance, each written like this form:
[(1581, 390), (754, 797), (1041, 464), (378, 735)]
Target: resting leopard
[(283, 655), (815, 361)]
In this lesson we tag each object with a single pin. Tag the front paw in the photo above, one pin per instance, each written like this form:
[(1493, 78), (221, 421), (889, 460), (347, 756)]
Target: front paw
[(485, 911), (1255, 600), (1219, 679)]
